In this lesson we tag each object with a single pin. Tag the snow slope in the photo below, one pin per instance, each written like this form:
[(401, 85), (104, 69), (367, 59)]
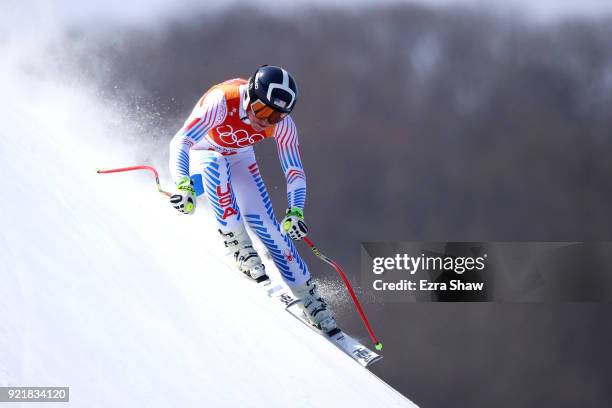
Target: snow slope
[(106, 289)]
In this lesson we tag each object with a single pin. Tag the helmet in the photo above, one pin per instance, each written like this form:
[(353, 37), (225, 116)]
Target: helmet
[(272, 93)]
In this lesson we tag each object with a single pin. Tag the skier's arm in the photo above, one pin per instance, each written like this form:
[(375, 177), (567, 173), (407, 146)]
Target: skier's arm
[(209, 111), (289, 154), (286, 137)]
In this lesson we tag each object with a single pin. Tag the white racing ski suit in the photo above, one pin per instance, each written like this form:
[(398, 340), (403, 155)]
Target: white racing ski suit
[(216, 143)]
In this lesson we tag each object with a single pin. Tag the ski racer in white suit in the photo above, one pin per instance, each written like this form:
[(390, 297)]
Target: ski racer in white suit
[(215, 145)]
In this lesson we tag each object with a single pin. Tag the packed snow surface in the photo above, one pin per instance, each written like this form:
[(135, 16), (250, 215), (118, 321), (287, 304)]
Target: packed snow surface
[(108, 290)]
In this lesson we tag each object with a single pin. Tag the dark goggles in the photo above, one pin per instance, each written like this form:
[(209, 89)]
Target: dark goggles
[(264, 112)]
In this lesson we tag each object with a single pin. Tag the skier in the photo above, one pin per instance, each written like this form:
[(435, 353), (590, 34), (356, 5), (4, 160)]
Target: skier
[(216, 142)]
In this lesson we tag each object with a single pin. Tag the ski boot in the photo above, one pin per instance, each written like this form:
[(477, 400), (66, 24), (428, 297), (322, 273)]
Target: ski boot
[(314, 307), (247, 259)]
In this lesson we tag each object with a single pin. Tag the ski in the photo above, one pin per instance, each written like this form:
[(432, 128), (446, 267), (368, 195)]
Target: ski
[(349, 346)]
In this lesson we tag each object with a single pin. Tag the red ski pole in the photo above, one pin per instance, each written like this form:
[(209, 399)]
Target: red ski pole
[(122, 169), (315, 250)]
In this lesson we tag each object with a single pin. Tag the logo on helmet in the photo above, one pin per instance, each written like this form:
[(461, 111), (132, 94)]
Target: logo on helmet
[(280, 102)]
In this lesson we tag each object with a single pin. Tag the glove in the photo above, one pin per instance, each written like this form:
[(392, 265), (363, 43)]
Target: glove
[(184, 200), (293, 224)]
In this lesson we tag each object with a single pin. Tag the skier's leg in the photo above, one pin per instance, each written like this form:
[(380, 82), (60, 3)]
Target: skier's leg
[(256, 207), (217, 183)]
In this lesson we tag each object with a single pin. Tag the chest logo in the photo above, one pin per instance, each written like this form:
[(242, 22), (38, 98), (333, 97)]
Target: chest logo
[(239, 138)]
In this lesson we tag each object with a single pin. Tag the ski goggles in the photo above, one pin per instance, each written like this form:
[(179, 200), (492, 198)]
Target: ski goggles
[(264, 112)]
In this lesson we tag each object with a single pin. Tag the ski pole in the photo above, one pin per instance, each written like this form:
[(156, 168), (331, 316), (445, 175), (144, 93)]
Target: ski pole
[(315, 250), (122, 169)]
